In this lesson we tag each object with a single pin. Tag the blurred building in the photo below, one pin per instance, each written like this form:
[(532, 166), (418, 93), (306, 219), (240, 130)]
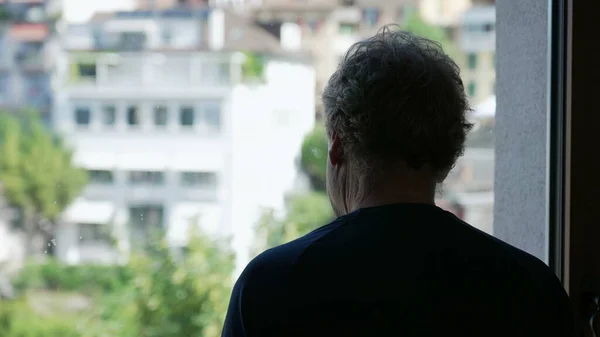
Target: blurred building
[(327, 28), (471, 182), (477, 40), (166, 4), (175, 124), (28, 46), (444, 13)]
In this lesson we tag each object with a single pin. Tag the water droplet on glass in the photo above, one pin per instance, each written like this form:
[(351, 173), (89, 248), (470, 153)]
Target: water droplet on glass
[(45, 252), (81, 238), (53, 241), (49, 244)]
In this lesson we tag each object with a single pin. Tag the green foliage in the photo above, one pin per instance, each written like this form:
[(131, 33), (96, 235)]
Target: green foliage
[(36, 168), (304, 214), (314, 156), (158, 294), (186, 296), (4, 13), (253, 67), (53, 275), (18, 319)]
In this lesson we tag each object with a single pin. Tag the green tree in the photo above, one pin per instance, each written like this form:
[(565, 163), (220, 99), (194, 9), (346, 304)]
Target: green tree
[(253, 67), (304, 213), (37, 174), (314, 156), (185, 296)]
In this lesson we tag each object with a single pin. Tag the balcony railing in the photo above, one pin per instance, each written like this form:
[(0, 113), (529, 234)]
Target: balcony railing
[(120, 71)]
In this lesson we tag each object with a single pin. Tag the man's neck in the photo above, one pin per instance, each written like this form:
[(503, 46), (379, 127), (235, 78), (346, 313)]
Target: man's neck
[(394, 190)]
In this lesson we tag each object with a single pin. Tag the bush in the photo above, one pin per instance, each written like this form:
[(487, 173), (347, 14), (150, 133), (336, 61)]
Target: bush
[(53, 275), (186, 296), (17, 319)]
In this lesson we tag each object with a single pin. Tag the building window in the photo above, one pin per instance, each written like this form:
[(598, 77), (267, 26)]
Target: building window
[(212, 116), (167, 36), (103, 177), (133, 116), (472, 88), (160, 115), (82, 116), (186, 116), (348, 28), (145, 221), (371, 16), (146, 178), (205, 180), (87, 70), (472, 60), (94, 233), (132, 41), (109, 115)]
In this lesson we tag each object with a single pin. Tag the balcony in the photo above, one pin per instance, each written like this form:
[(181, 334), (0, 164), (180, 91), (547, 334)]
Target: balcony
[(149, 71)]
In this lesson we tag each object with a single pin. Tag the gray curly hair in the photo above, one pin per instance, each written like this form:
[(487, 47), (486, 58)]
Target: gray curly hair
[(398, 98)]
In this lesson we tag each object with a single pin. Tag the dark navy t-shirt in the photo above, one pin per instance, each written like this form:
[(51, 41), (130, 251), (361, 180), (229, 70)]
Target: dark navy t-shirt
[(397, 270)]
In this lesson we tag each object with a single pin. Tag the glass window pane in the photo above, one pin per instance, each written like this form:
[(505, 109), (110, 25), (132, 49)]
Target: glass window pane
[(186, 116), (100, 177), (472, 61), (146, 178), (109, 115), (212, 115), (82, 116), (472, 88), (160, 115), (94, 234), (199, 179), (133, 116)]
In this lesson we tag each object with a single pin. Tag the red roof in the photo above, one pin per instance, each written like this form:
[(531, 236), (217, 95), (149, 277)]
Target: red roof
[(31, 32)]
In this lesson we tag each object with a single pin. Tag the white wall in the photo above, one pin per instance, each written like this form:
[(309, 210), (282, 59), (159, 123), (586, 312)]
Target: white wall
[(269, 124)]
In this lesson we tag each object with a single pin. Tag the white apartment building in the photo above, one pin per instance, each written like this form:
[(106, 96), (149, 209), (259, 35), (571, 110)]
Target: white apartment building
[(158, 108)]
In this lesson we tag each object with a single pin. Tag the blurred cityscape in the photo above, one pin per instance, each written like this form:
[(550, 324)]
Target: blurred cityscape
[(177, 115)]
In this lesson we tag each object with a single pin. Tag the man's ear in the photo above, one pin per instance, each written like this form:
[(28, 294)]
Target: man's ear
[(336, 154)]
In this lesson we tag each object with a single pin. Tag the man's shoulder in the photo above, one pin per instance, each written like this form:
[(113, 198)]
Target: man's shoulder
[(274, 265)]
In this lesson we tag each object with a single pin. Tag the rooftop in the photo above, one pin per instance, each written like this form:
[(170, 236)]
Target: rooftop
[(238, 33)]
